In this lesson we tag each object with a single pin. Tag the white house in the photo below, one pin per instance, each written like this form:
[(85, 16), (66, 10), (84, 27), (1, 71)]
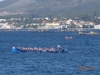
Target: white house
[(2, 20), (96, 26)]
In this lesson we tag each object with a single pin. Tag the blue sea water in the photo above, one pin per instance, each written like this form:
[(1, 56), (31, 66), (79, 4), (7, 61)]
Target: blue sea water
[(83, 57)]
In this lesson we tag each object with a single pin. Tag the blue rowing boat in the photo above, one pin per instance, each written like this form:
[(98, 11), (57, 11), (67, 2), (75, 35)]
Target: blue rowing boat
[(50, 50)]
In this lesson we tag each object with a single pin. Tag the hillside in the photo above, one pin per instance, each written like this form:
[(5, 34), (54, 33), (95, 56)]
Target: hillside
[(52, 7)]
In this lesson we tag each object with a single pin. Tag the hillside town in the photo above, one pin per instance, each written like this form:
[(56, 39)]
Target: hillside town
[(45, 23)]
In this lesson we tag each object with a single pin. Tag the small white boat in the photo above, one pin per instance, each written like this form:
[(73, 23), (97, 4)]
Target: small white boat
[(68, 38)]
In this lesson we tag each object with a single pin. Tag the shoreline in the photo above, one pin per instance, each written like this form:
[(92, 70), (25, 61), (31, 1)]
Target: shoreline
[(55, 30), (31, 29)]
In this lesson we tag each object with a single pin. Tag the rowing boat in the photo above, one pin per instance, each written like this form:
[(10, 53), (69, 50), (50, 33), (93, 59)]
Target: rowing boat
[(51, 50)]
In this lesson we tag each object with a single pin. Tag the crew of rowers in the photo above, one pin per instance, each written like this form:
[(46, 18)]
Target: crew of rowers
[(39, 49)]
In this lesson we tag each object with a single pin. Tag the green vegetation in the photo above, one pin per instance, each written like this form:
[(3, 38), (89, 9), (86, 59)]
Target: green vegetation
[(87, 26), (58, 8), (87, 10)]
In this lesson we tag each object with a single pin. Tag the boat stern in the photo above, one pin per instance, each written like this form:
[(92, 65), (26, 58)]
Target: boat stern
[(14, 50)]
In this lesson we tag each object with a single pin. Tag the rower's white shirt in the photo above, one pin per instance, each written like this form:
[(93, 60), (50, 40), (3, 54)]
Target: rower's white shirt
[(59, 46)]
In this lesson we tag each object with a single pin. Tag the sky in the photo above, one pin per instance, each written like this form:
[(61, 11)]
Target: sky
[(1, 0)]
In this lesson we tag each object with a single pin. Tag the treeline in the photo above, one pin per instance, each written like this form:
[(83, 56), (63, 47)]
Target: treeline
[(81, 16)]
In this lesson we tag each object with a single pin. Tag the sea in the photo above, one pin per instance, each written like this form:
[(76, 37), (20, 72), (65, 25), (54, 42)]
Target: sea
[(82, 56)]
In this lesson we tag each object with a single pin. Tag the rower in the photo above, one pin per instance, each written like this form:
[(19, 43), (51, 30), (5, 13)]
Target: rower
[(59, 47)]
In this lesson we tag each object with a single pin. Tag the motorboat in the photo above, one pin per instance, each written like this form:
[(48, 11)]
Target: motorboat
[(89, 33)]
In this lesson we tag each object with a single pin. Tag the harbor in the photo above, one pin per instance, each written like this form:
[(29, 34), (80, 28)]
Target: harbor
[(48, 29)]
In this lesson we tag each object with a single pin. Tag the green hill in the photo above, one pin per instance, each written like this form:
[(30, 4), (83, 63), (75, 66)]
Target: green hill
[(52, 7)]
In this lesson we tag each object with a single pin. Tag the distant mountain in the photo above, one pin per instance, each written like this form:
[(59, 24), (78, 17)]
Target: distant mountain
[(52, 7)]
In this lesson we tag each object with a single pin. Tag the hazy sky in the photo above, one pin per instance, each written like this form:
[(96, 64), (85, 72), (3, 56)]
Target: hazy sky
[(1, 0)]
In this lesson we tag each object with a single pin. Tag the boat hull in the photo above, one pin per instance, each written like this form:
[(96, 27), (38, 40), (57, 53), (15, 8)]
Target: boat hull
[(16, 50)]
